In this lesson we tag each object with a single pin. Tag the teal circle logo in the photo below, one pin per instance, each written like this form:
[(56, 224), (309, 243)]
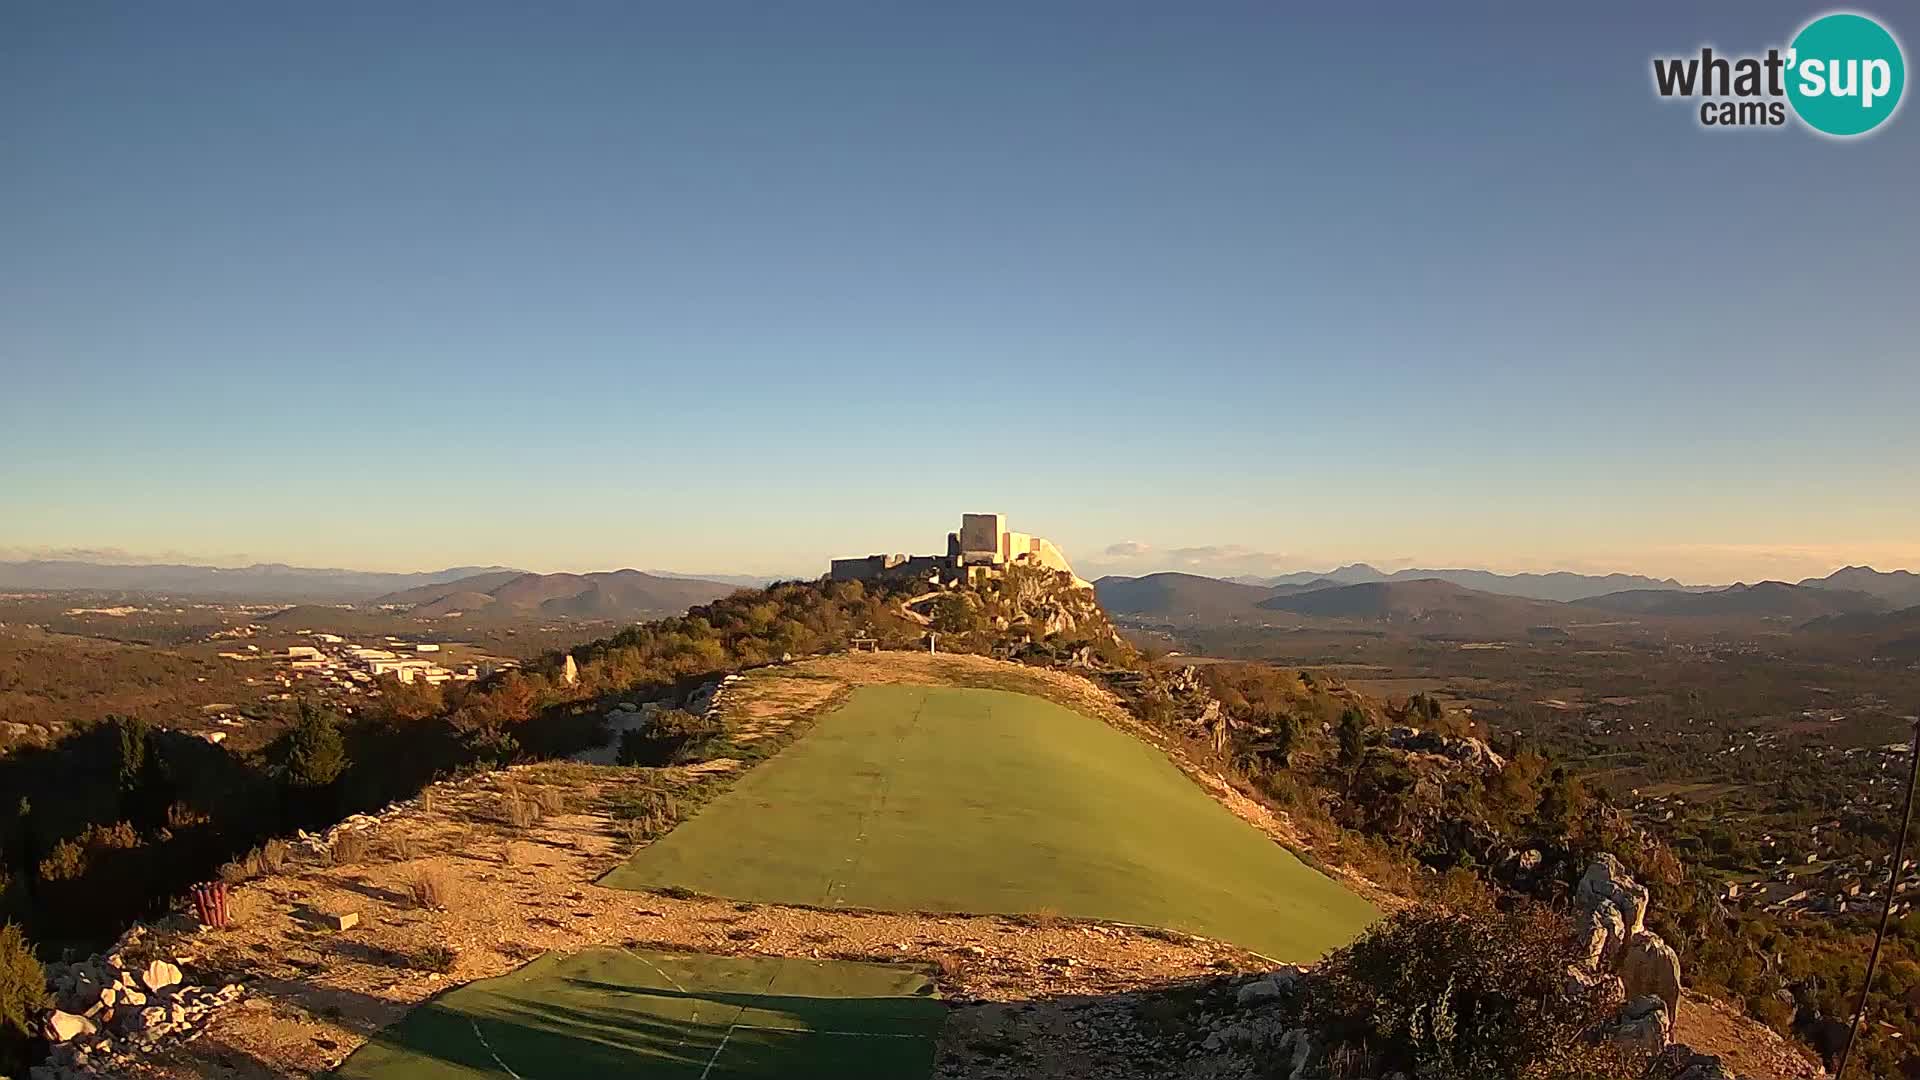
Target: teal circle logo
[(1845, 73)]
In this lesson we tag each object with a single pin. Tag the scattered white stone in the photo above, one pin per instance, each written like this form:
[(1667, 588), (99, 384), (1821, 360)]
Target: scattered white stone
[(64, 1026), (159, 975)]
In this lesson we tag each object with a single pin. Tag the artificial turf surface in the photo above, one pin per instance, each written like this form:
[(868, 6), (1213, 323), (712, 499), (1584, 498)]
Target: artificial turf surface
[(666, 1016), (943, 799)]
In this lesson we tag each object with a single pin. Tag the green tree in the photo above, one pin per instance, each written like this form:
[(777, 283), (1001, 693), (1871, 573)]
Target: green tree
[(1352, 735), (316, 755), (1561, 802), (129, 737), (955, 614), (23, 993)]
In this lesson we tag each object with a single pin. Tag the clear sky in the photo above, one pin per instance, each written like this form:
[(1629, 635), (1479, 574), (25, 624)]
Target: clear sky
[(737, 287)]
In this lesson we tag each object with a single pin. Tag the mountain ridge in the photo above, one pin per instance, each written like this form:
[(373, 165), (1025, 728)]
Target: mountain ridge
[(264, 581), (1561, 585), (608, 594), (1764, 598)]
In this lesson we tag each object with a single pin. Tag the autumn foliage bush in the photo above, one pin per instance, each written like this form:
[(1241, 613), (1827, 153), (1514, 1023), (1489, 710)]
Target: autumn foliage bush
[(1448, 996)]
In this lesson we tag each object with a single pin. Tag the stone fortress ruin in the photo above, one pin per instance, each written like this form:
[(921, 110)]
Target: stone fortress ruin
[(983, 547)]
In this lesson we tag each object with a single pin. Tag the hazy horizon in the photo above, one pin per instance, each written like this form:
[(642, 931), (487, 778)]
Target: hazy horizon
[(1130, 562), (739, 290)]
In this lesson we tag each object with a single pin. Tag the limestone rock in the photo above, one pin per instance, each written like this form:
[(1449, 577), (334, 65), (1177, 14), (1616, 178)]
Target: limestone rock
[(1644, 1026), (1256, 992), (159, 975), (1607, 880), (1605, 935), (62, 1027), (1650, 966)]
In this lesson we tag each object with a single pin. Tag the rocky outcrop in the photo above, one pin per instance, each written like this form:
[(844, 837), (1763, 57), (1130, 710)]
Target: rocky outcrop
[(1623, 956), (1649, 966), (1645, 1025), (1608, 881), (1473, 753), (112, 1010)]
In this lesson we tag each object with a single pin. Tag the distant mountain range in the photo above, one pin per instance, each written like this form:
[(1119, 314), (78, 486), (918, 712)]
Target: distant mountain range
[(1899, 588), (1559, 585), (619, 594), (1439, 603), (277, 583), (261, 581), (1772, 599), (1430, 603)]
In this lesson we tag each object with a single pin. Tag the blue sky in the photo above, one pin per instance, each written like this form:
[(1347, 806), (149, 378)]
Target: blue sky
[(730, 287)]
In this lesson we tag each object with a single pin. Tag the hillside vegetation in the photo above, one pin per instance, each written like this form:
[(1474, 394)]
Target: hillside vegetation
[(1435, 816)]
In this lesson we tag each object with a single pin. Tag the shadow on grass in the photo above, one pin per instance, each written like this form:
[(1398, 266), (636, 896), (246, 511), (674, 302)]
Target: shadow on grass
[(612, 1013)]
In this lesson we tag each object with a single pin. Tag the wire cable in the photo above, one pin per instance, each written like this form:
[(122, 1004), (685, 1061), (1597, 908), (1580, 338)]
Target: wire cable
[(1886, 910)]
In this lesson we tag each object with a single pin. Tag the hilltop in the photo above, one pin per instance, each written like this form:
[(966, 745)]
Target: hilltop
[(1899, 588), (617, 594), (1427, 604), (1181, 596)]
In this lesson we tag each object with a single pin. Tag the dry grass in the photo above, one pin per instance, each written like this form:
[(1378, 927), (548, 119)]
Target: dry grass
[(244, 906), (265, 860), (350, 848), (518, 809), (552, 801), (429, 887)]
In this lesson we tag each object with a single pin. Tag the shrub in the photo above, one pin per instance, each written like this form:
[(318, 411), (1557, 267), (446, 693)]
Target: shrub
[(434, 957), (955, 614), (23, 993), (492, 748), (1463, 997), (66, 862), (645, 814), (672, 736), (70, 859)]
